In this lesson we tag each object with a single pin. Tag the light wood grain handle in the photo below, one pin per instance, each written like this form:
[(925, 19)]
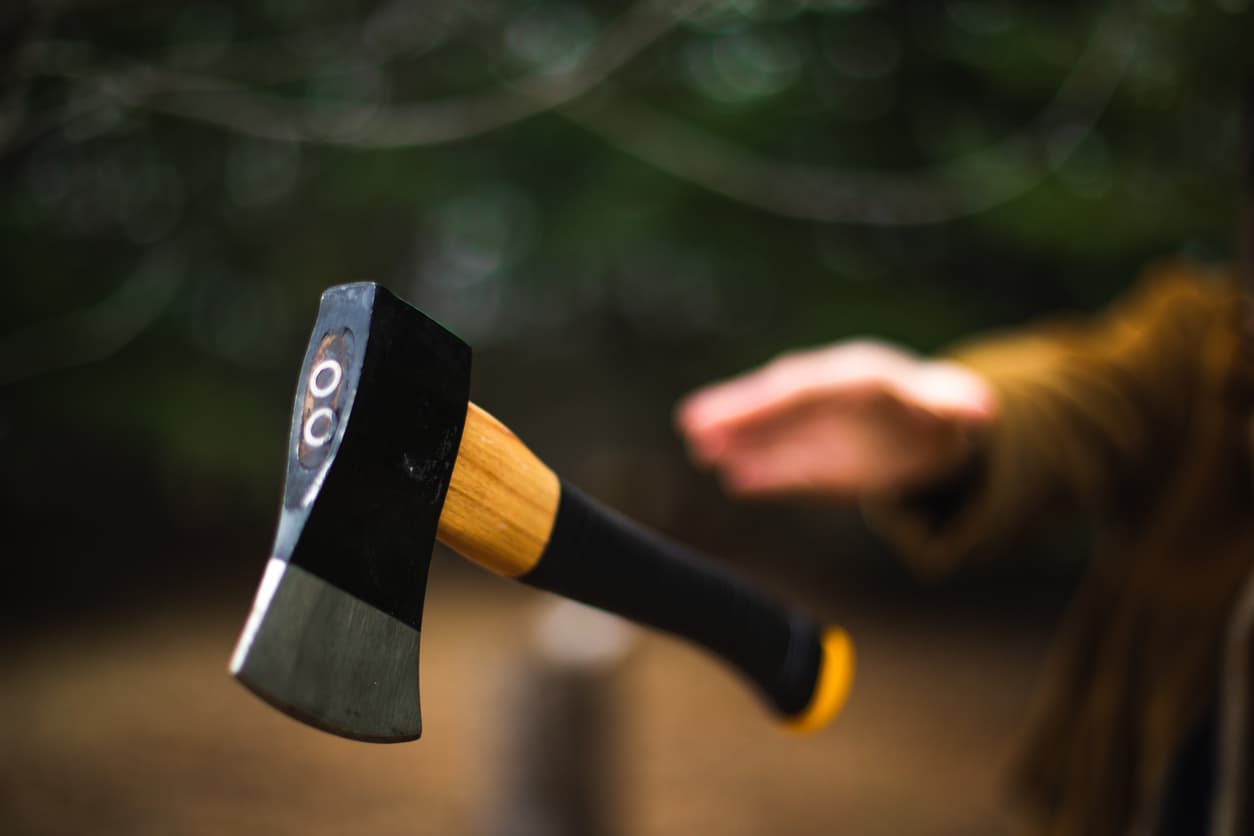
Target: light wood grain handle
[(502, 500)]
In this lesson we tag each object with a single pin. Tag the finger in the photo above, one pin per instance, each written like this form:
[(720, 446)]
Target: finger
[(723, 419), (787, 383), (789, 471), (760, 476), (723, 402), (707, 446)]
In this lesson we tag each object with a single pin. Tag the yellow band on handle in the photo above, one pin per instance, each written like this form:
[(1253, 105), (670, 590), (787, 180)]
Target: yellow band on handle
[(832, 686)]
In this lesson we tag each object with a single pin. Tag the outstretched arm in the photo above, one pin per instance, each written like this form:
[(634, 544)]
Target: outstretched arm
[(1082, 412)]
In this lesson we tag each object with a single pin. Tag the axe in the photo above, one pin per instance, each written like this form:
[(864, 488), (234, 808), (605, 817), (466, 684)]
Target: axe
[(386, 455)]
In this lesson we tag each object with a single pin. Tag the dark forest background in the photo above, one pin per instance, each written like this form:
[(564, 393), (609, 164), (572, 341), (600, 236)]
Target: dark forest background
[(592, 193), (613, 203)]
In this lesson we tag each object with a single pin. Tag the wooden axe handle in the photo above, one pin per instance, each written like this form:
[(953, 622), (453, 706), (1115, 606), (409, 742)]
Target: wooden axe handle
[(508, 512), (501, 500)]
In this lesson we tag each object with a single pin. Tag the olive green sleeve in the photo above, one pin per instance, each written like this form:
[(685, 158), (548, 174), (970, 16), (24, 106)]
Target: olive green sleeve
[(1088, 412)]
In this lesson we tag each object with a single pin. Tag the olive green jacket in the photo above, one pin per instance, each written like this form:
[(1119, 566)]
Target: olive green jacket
[(1140, 417)]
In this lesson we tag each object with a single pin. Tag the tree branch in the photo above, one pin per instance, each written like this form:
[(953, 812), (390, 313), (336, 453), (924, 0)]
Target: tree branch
[(821, 194), (233, 106), (830, 195), (95, 333)]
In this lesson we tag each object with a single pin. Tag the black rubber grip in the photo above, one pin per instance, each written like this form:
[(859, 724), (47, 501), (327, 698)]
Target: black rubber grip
[(599, 557)]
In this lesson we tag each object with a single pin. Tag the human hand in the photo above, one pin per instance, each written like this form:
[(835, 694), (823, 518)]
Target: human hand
[(851, 419)]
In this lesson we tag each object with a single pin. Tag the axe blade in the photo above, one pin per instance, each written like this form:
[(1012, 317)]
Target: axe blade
[(328, 659)]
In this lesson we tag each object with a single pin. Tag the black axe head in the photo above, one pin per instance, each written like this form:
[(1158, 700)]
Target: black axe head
[(333, 634)]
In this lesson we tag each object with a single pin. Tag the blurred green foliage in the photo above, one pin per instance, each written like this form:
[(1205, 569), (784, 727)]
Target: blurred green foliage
[(721, 179)]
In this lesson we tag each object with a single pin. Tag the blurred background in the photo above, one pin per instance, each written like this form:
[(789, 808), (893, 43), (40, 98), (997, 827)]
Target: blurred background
[(613, 203)]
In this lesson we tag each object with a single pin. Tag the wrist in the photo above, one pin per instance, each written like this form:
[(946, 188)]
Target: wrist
[(937, 499)]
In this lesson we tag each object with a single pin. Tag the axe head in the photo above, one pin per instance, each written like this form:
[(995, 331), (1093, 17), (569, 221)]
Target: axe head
[(332, 638)]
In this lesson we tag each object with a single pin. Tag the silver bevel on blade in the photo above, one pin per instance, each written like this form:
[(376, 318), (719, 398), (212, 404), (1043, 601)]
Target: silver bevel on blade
[(326, 658)]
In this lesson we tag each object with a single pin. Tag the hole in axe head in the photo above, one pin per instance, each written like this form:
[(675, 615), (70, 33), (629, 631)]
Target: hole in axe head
[(323, 397)]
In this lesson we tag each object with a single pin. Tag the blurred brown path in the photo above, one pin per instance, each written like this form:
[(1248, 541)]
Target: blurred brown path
[(134, 727)]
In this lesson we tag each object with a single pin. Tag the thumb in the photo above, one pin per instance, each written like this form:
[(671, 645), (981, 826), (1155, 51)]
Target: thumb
[(949, 390)]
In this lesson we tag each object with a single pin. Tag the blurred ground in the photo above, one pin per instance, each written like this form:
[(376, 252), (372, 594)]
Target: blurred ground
[(120, 724), (129, 581)]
